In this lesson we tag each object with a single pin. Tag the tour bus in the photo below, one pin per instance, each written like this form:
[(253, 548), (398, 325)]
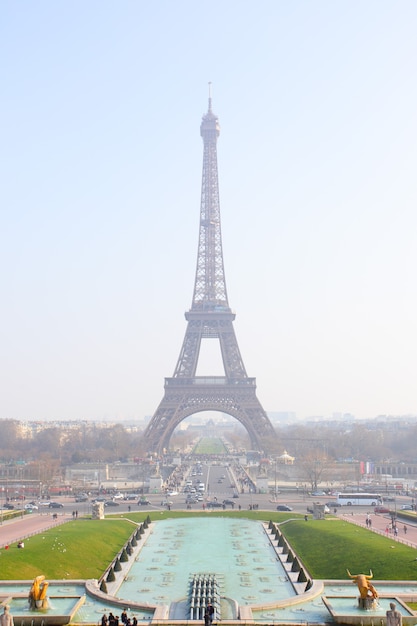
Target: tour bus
[(366, 499)]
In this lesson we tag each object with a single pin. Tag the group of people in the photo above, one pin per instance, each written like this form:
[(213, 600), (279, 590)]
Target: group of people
[(393, 528), (114, 620)]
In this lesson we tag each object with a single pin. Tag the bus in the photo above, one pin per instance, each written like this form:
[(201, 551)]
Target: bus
[(366, 499)]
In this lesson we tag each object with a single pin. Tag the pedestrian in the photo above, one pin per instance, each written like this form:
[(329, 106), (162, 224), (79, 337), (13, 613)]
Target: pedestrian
[(123, 616), (405, 529), (210, 611), (104, 620)]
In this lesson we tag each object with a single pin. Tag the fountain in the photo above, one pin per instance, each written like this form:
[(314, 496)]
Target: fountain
[(371, 608), (368, 598), (37, 594)]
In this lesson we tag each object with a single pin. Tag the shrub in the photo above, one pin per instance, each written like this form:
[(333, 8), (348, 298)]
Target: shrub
[(110, 576)]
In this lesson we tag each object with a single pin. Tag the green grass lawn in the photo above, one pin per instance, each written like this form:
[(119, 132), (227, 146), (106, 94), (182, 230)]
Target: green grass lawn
[(83, 549), (209, 445), (328, 548)]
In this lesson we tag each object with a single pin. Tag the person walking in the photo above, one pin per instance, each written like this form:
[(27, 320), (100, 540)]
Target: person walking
[(210, 611)]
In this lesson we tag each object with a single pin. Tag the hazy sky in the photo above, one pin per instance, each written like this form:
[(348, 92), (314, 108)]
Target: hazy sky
[(101, 161)]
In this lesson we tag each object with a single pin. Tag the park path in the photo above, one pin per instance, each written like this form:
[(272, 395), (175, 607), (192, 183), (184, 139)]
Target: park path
[(379, 524), (18, 529)]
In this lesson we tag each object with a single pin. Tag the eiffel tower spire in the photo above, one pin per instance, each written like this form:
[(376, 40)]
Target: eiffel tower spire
[(210, 283), (210, 317)]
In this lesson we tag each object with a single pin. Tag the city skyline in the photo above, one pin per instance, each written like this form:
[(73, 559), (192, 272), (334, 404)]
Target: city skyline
[(101, 176)]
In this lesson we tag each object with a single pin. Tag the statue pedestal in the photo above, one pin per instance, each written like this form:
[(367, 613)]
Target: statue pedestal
[(155, 484), (98, 510), (367, 604)]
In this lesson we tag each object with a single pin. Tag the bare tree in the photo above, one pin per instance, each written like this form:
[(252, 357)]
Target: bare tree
[(314, 467)]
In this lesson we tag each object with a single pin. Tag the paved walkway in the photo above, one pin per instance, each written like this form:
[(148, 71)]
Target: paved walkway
[(380, 522), (21, 528)]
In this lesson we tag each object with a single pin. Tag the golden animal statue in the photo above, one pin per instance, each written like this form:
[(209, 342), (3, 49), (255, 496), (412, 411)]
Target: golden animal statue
[(366, 589), (37, 593)]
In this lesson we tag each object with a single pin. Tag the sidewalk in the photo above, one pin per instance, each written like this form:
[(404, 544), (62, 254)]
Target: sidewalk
[(379, 524), (19, 529)]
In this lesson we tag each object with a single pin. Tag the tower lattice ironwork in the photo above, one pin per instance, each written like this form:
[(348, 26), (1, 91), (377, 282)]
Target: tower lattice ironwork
[(210, 317)]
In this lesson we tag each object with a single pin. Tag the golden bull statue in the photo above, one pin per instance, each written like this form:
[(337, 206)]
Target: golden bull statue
[(366, 589), (37, 593)]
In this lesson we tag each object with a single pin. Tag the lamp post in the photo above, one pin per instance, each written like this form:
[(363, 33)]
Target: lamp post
[(275, 479)]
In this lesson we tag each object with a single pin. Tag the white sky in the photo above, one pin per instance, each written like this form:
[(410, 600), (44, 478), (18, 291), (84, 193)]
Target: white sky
[(101, 162)]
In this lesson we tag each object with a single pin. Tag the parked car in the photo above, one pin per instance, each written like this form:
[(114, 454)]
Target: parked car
[(407, 507), (214, 505), (82, 497), (381, 509), (283, 507), (111, 503), (55, 505), (30, 507), (319, 493), (227, 501)]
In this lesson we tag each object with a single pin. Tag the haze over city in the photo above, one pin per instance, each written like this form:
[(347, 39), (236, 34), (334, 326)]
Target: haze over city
[(101, 166)]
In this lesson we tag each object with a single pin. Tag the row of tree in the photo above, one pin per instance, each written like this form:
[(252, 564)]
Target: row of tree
[(394, 441)]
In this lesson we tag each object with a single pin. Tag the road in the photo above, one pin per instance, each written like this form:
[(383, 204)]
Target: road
[(20, 528), (221, 483)]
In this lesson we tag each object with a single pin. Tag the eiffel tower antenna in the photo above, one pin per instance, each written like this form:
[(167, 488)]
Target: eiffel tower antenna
[(210, 317)]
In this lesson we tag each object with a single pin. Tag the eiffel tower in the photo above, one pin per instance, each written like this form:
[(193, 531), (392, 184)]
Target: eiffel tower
[(210, 317)]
